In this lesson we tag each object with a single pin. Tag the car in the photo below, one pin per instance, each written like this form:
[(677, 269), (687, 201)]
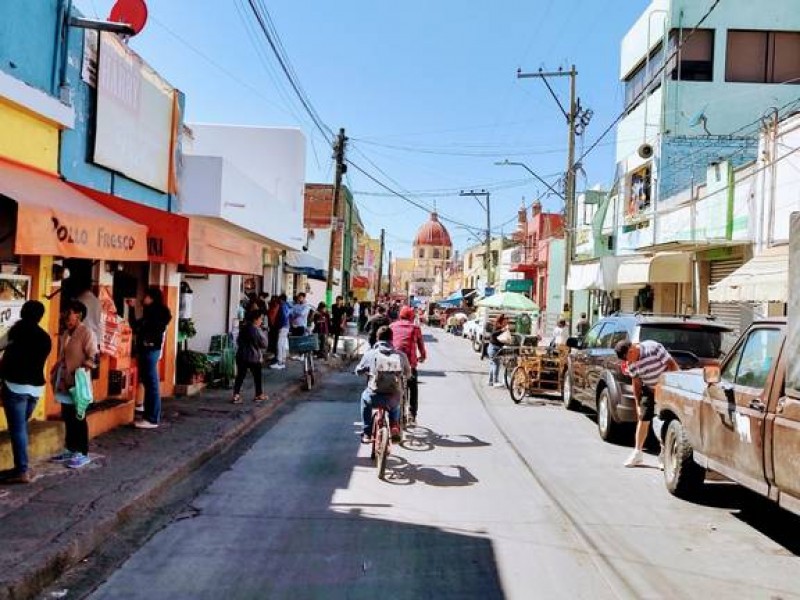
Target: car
[(473, 327), (595, 379)]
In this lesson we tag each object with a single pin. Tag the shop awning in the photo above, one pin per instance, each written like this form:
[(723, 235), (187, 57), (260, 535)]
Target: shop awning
[(599, 274), (765, 278), (219, 247), (54, 219), (665, 267), (303, 263), (167, 233)]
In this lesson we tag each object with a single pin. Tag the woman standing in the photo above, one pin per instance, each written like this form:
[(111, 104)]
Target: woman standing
[(495, 345), (22, 372), (149, 332), (78, 350), (249, 346)]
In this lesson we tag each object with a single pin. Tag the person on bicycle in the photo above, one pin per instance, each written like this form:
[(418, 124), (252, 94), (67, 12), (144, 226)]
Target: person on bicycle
[(408, 339), (386, 368)]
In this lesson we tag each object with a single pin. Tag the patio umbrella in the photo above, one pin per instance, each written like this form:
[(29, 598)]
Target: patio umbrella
[(509, 301)]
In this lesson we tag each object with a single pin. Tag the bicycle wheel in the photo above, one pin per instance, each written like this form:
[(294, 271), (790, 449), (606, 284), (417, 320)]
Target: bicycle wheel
[(519, 385), (508, 369), (308, 372)]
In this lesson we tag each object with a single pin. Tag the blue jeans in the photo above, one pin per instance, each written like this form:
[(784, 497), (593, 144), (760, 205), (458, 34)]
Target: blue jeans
[(148, 375), (494, 363), (370, 400), (18, 409)]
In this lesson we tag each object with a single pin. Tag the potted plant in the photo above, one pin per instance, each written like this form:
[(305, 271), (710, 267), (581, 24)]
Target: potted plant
[(192, 367)]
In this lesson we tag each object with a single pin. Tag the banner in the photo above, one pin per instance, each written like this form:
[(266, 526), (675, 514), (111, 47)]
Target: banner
[(13, 294), (111, 323)]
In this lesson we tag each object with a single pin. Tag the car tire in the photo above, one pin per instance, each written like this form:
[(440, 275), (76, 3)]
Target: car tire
[(607, 426), (566, 392), (682, 475), (477, 345)]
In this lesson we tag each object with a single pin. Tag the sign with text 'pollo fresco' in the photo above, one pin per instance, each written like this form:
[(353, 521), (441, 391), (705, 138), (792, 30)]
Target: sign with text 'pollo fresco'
[(135, 116)]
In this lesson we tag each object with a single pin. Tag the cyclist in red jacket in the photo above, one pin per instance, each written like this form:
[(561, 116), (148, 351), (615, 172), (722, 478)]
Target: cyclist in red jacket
[(407, 337)]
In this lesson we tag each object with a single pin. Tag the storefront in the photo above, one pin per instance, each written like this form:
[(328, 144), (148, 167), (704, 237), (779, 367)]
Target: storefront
[(60, 243)]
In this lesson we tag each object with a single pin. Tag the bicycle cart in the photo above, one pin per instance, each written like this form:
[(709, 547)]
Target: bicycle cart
[(306, 346), (540, 372), (509, 355)]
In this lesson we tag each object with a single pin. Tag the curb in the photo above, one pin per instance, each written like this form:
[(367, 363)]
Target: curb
[(46, 569)]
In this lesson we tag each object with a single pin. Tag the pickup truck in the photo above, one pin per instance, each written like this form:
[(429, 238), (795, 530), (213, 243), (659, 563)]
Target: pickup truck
[(734, 419)]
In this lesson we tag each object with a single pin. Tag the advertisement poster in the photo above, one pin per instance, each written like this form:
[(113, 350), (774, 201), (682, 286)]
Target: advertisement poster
[(111, 323), (14, 290)]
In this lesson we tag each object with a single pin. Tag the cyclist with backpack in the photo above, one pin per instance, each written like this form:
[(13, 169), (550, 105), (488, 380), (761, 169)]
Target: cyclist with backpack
[(386, 368), (408, 339)]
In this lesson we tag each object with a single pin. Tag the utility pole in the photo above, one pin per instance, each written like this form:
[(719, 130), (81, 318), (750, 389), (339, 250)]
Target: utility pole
[(341, 169), (575, 113), (380, 266), (487, 208), (390, 273)]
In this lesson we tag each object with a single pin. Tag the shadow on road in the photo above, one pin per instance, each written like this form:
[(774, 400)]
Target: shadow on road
[(422, 439), (401, 472)]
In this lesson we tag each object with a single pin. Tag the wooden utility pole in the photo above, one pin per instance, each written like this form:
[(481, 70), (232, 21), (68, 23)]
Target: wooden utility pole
[(380, 266), (569, 180), (341, 169), (487, 208), (390, 273)]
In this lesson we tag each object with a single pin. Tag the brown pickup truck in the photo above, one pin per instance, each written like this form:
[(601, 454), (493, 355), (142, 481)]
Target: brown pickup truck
[(734, 419)]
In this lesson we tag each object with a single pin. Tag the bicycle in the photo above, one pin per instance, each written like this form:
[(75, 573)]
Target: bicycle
[(306, 346), (405, 404), (381, 438)]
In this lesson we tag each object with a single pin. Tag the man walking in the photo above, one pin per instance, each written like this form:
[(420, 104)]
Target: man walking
[(338, 318), (301, 313), (646, 362), (282, 326), (376, 321), (407, 337)]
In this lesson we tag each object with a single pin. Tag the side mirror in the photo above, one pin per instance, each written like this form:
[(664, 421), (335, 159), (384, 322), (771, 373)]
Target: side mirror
[(574, 343), (712, 374)]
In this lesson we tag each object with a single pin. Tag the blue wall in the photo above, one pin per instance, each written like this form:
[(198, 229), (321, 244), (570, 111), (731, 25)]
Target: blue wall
[(77, 144), (684, 160), (32, 58)]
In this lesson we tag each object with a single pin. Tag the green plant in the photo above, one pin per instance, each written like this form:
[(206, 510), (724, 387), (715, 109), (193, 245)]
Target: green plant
[(190, 363), (186, 328)]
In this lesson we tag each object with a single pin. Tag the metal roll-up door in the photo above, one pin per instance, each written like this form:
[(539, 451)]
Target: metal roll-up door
[(733, 314), (627, 300)]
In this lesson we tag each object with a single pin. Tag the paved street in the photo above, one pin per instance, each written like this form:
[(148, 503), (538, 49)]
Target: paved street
[(485, 499)]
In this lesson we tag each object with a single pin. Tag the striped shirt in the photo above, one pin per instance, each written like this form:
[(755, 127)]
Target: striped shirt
[(653, 360)]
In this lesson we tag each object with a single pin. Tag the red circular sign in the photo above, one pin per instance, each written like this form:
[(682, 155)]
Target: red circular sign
[(130, 12)]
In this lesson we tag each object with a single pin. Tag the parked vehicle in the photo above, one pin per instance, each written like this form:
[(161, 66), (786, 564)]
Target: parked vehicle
[(594, 376), (473, 327), (734, 419)]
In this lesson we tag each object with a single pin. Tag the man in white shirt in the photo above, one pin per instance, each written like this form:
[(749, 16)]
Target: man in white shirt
[(299, 316)]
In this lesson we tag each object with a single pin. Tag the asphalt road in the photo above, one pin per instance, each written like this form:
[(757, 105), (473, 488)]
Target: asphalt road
[(485, 499)]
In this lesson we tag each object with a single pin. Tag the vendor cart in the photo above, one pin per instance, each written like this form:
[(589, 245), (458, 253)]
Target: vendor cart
[(539, 372)]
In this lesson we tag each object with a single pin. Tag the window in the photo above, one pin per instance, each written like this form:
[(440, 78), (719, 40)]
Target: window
[(751, 364), (590, 341), (469, 262), (639, 191), (437, 253), (695, 60), (646, 72), (421, 253), (763, 57), (704, 342), (447, 254)]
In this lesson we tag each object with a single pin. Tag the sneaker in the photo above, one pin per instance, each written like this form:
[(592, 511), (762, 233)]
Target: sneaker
[(63, 457), (635, 459), (499, 385), (277, 366), (78, 461), (397, 435), (139, 409), (366, 438), (145, 425)]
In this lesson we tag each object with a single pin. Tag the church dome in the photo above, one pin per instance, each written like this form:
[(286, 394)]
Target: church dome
[(433, 233)]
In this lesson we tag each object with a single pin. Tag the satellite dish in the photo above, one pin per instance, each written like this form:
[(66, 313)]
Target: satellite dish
[(700, 118), (130, 12), (645, 151)]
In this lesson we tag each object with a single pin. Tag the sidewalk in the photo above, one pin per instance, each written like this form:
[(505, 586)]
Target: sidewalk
[(58, 520)]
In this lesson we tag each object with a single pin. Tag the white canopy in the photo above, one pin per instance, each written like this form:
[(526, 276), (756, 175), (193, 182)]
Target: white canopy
[(765, 278), (596, 275), (664, 267)]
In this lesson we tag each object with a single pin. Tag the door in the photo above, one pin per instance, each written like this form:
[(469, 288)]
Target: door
[(733, 411), (600, 357), (579, 362), (786, 446)]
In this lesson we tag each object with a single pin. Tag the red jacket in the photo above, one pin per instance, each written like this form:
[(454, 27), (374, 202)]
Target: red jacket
[(407, 338)]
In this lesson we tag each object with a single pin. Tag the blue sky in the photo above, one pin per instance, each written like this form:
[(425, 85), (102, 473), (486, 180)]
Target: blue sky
[(426, 90)]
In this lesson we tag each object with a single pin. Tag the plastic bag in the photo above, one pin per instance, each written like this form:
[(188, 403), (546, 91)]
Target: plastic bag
[(82, 394)]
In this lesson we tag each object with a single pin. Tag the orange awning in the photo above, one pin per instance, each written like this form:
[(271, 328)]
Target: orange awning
[(167, 233), (54, 219), (217, 248)]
